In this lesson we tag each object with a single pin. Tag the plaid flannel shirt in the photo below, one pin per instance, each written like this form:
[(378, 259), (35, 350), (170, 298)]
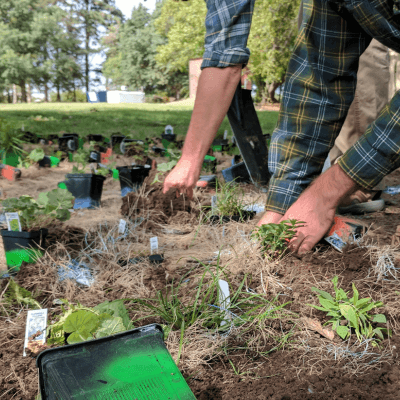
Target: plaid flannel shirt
[(319, 88), (228, 25)]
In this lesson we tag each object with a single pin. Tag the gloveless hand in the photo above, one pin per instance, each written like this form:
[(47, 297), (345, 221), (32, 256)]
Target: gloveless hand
[(183, 178)]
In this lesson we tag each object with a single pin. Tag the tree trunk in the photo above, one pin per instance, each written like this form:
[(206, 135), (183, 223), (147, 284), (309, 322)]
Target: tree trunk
[(9, 96), (271, 91), (23, 91), (46, 93), (15, 95), (58, 93), (74, 93), (87, 43), (29, 93)]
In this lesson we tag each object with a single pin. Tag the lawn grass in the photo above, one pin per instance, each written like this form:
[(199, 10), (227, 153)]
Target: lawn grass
[(137, 121)]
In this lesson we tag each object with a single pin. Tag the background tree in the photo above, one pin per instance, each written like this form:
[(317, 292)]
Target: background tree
[(272, 36)]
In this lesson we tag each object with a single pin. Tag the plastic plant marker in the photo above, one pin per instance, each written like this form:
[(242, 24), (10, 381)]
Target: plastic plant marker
[(62, 185), (11, 159), (54, 161), (224, 299), (122, 226), (129, 365), (153, 244), (36, 320), (13, 222), (169, 130), (115, 174)]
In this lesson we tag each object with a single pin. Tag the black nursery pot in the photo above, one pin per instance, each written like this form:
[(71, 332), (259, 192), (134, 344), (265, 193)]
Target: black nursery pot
[(86, 188), (115, 142), (132, 177), (68, 142), (22, 246), (95, 138), (246, 215), (45, 162), (169, 136)]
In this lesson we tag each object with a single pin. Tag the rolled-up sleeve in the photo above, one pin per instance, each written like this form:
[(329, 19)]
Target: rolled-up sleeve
[(228, 25)]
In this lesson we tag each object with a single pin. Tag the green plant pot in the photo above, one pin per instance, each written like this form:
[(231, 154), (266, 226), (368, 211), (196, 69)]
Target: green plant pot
[(11, 158), (22, 246)]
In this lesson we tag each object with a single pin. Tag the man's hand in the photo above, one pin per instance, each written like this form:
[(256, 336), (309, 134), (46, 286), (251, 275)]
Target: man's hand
[(316, 207), (183, 178)]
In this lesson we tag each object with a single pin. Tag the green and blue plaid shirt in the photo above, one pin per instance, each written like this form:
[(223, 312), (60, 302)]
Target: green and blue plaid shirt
[(319, 88), (228, 25)]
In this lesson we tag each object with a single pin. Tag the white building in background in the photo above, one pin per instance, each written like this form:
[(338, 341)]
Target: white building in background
[(122, 96)]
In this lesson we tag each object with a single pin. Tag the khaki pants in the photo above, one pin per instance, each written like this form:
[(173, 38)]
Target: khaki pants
[(372, 94)]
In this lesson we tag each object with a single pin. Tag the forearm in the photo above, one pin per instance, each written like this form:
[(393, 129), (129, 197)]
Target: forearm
[(214, 95)]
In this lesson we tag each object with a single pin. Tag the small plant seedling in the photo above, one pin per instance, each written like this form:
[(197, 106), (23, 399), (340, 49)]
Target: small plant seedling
[(275, 237), (33, 157), (81, 158), (353, 312), (49, 206)]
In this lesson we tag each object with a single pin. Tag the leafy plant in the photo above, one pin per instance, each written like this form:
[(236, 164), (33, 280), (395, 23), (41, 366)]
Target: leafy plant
[(16, 294), (275, 237), (81, 158), (33, 157), (49, 206), (11, 139), (79, 323), (351, 313)]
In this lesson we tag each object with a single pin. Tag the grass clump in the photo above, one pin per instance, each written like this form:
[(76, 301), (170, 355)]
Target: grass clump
[(351, 313), (274, 238)]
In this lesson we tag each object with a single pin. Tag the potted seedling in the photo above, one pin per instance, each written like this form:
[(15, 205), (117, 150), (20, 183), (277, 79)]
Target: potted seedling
[(132, 177), (38, 156), (11, 141), (228, 204), (28, 222), (85, 187)]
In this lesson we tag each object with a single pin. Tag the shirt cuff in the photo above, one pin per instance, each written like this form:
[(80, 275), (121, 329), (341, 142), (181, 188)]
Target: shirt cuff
[(227, 58)]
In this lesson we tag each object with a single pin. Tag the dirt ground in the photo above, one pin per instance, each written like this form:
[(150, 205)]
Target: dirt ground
[(306, 366)]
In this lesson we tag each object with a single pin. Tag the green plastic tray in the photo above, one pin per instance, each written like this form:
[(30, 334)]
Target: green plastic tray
[(131, 365)]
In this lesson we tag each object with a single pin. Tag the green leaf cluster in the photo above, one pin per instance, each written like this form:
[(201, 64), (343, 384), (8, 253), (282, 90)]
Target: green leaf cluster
[(33, 157), (275, 237), (11, 139), (35, 214), (16, 294), (80, 323), (351, 313)]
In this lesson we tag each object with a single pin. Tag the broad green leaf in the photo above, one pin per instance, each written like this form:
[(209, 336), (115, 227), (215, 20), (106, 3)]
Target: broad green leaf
[(361, 303), (115, 308), (368, 307), (329, 305), (378, 331), (317, 307), (349, 313), (82, 320), (379, 318), (341, 295), (110, 326), (77, 337), (326, 295), (342, 331)]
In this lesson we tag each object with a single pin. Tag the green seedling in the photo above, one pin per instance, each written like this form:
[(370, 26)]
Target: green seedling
[(35, 214), (78, 323), (351, 313), (33, 157), (275, 237), (11, 139), (17, 295), (230, 200)]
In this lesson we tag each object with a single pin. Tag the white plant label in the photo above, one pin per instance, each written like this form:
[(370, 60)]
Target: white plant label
[(122, 226), (223, 231), (169, 130), (225, 134), (213, 204), (153, 244), (224, 299), (13, 222), (35, 321)]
